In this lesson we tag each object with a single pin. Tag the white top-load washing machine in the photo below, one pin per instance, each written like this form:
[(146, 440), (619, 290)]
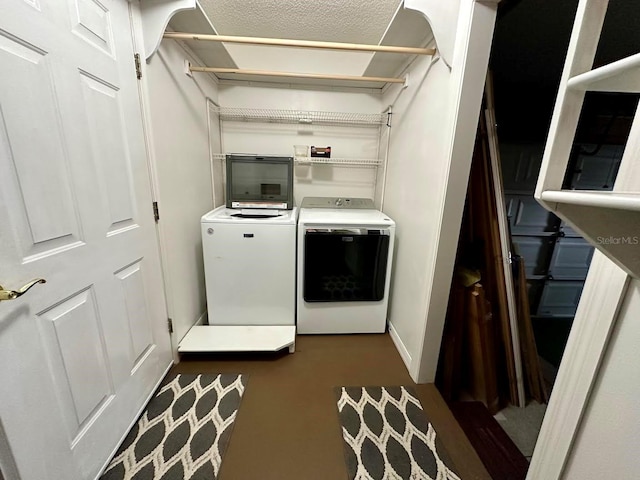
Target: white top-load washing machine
[(249, 267), (345, 252), (250, 271), (249, 253)]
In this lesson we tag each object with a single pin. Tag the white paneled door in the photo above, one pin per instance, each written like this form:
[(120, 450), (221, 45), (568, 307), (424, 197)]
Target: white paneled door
[(80, 354)]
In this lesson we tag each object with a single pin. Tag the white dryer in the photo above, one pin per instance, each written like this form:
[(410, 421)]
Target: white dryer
[(345, 252)]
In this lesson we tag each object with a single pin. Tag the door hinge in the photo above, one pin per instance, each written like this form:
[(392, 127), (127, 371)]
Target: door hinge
[(170, 325), (156, 212), (136, 59)]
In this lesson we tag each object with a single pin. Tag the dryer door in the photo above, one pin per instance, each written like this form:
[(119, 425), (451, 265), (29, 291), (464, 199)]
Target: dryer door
[(345, 264)]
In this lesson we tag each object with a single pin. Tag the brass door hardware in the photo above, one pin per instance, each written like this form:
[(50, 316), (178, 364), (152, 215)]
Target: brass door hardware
[(13, 294)]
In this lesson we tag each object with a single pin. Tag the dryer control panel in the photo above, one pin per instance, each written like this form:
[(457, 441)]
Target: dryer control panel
[(337, 202)]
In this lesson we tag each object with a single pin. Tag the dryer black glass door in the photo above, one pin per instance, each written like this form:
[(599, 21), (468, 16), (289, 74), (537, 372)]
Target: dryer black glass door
[(343, 266)]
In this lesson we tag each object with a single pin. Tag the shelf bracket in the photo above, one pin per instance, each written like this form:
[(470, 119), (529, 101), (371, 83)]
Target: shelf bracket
[(155, 18), (443, 19)]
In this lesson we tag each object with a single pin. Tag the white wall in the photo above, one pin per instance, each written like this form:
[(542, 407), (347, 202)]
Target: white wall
[(414, 191), (607, 441), (279, 139), (434, 127), (180, 148), (283, 59)]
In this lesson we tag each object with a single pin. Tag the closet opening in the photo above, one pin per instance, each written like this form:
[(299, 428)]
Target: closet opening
[(550, 259)]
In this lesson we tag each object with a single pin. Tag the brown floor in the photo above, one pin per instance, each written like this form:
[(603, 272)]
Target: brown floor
[(287, 426)]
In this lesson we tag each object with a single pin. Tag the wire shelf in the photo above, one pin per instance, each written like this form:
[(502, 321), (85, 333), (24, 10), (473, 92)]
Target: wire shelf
[(362, 162), (302, 117)]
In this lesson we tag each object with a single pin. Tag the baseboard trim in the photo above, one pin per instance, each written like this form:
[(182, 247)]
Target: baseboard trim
[(402, 350), (201, 319)]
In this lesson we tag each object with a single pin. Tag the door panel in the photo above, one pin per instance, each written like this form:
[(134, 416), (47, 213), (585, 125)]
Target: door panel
[(79, 355), (520, 166), (75, 331), (132, 284), (560, 298), (49, 218), (571, 259), (536, 252), (108, 148), (528, 217), (91, 23)]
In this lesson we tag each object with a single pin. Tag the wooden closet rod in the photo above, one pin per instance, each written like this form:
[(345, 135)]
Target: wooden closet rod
[(270, 73), (301, 43)]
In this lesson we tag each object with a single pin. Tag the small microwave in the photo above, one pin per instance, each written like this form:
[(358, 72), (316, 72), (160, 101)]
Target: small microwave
[(258, 181)]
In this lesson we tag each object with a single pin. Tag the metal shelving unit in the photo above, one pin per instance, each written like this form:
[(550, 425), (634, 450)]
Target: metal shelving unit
[(308, 117), (356, 162), (362, 162)]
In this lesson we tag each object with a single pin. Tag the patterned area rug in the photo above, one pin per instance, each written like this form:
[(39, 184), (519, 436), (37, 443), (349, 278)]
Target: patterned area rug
[(387, 436), (183, 433)]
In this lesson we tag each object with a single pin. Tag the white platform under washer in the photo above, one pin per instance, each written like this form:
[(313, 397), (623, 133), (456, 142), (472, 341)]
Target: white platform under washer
[(345, 252), (250, 270)]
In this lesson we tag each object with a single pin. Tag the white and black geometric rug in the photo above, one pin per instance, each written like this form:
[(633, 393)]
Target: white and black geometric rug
[(183, 433), (387, 436)]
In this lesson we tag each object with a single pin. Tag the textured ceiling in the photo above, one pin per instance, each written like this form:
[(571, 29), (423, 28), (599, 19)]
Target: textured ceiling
[(352, 21)]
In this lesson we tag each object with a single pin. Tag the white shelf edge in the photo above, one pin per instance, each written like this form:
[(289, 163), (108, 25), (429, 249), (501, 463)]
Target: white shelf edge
[(610, 77), (616, 200), (301, 117), (238, 338), (361, 162)]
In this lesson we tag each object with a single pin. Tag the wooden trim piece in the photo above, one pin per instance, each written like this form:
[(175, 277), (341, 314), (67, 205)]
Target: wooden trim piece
[(315, 76), (283, 42), (481, 350), (603, 294), (530, 361), (505, 237), (495, 264)]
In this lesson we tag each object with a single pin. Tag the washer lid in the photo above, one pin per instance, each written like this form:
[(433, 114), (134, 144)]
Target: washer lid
[(332, 216), (230, 215)]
